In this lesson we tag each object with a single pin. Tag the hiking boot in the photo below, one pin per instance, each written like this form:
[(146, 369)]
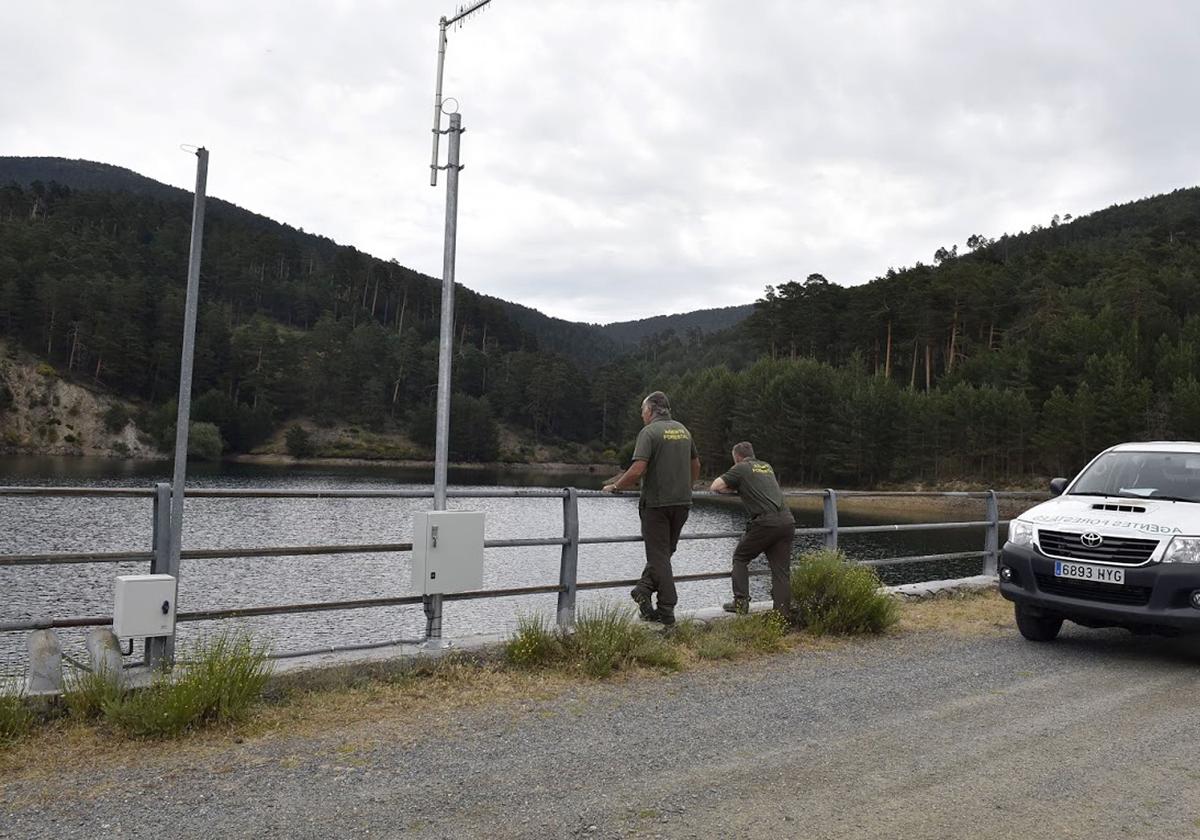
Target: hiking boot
[(665, 615), (646, 611), (740, 606)]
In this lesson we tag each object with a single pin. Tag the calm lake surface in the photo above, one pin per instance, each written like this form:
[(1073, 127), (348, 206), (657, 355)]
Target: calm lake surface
[(36, 525)]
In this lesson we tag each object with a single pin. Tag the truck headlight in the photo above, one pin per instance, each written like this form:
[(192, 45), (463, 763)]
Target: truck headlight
[(1183, 550), (1020, 533)]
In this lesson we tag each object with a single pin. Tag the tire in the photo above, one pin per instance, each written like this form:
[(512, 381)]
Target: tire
[(1037, 628)]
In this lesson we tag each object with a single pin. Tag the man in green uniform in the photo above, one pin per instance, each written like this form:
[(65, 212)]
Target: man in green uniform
[(771, 529), (666, 461)]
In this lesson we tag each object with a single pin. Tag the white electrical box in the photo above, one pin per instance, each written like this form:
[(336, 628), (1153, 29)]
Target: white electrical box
[(145, 606), (447, 553)]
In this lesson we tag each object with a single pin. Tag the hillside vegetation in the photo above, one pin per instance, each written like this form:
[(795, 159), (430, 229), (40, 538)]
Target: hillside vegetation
[(1018, 357), (1022, 356)]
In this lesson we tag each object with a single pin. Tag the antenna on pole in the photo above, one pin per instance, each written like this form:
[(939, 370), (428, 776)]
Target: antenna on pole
[(458, 18)]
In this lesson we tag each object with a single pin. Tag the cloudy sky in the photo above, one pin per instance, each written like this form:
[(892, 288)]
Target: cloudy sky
[(626, 159)]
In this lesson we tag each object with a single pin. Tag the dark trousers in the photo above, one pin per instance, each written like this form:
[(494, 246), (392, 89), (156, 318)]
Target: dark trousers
[(771, 534), (660, 531)]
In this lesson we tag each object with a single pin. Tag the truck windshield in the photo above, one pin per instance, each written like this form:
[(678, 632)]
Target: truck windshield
[(1173, 476)]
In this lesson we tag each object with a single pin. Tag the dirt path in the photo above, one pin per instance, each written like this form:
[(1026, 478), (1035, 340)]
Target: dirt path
[(927, 734)]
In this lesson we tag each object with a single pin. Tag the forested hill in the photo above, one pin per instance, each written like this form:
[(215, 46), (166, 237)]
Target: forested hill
[(291, 324), (1016, 355), (1006, 357), (587, 345), (631, 333)]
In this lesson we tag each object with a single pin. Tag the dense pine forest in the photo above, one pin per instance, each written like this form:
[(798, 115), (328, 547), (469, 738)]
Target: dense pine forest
[(1023, 355), (1014, 357)]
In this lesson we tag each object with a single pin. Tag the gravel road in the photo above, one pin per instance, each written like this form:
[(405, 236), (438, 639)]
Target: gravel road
[(923, 735)]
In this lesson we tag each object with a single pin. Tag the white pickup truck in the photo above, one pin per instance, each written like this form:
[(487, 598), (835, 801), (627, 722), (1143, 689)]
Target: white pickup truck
[(1119, 546)]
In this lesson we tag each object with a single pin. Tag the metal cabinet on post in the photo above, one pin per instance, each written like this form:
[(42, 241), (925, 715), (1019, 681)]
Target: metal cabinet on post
[(447, 554)]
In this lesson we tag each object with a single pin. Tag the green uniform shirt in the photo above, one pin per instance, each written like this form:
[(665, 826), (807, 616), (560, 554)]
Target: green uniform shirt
[(668, 449), (755, 482)]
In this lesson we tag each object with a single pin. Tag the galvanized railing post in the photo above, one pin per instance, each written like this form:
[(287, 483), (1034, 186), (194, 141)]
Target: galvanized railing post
[(569, 565), (160, 652), (991, 538), (830, 521)]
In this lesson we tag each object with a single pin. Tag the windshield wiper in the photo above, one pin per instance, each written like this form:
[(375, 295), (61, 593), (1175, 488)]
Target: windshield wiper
[(1080, 493), (1157, 498)]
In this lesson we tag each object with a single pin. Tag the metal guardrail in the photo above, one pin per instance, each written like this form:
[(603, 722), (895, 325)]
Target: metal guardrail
[(159, 557)]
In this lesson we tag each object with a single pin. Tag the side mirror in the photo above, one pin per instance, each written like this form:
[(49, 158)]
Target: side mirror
[(1058, 485)]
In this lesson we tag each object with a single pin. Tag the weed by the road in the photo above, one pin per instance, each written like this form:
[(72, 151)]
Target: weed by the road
[(89, 693), (16, 718), (536, 643), (219, 685), (606, 639), (832, 596)]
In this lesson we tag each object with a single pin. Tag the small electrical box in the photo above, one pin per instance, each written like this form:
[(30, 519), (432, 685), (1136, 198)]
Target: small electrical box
[(447, 553), (144, 607)]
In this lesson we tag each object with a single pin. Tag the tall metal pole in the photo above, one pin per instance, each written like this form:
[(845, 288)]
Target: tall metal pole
[(189, 352), (433, 603), (446, 336)]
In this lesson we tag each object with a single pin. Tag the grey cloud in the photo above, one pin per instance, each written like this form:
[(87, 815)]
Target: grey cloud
[(629, 158)]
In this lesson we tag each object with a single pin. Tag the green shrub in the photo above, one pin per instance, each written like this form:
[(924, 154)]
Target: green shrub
[(831, 595), (90, 696), (46, 369), (204, 441), (220, 685), (299, 442), (116, 418), (16, 718), (536, 643), (605, 639)]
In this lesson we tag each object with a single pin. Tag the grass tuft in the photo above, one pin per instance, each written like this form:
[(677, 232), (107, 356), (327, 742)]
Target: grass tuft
[(16, 718), (762, 633), (735, 637), (832, 596), (605, 639), (535, 645), (219, 686), (657, 653), (716, 646), (89, 694)]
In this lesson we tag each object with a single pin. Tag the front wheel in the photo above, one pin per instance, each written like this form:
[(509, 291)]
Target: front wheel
[(1037, 628)]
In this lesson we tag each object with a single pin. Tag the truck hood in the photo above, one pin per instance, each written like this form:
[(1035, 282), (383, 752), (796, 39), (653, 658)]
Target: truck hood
[(1116, 516)]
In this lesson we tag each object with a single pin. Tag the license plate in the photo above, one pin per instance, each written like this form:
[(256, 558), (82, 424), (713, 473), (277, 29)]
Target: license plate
[(1084, 571)]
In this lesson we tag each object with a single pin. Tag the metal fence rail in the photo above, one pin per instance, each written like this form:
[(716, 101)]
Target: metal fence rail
[(160, 556)]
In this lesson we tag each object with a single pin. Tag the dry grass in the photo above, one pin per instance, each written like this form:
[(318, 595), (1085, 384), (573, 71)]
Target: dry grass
[(969, 614), (408, 701)]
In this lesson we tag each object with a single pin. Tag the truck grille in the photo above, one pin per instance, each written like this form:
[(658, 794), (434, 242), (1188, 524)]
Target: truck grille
[(1121, 550), (1087, 590)]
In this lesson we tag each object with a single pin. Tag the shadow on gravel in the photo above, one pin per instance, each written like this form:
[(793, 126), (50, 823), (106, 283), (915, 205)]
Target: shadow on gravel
[(1114, 646)]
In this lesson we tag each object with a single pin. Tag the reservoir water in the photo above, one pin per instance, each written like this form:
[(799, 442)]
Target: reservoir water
[(41, 524)]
